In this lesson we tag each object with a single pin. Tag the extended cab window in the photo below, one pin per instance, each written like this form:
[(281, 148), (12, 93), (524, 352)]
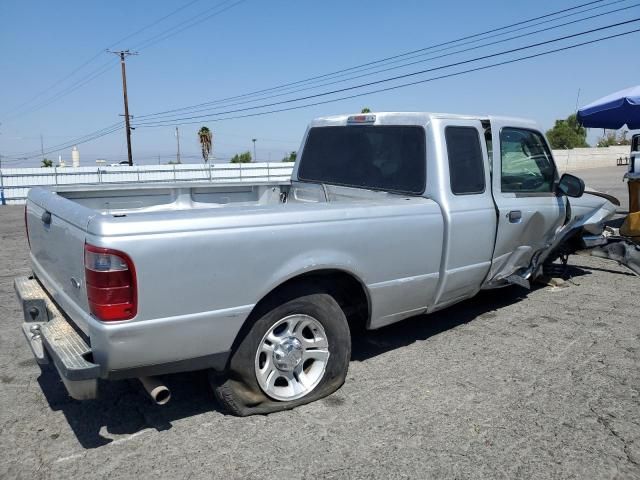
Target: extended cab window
[(466, 166), (527, 165), (386, 157)]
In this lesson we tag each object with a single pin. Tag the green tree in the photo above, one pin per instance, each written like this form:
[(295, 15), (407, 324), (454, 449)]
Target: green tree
[(241, 158), (365, 110), (568, 134), (291, 157), (46, 163), (205, 137), (611, 138)]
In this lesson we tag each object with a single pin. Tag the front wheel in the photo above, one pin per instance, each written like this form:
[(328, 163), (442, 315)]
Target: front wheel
[(297, 351)]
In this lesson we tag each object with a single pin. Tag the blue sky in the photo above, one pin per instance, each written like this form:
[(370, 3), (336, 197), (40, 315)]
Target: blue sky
[(258, 44)]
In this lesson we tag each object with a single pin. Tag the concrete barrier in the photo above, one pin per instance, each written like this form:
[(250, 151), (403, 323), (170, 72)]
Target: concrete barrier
[(581, 158)]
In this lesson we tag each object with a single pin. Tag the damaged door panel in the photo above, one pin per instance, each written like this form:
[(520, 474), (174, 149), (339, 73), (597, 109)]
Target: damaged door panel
[(529, 211)]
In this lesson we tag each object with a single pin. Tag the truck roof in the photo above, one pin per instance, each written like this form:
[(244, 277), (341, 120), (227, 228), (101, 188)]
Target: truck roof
[(416, 118)]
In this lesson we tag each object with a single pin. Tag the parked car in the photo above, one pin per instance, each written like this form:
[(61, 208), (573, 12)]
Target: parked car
[(386, 216)]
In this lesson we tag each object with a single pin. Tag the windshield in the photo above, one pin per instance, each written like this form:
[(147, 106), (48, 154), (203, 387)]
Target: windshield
[(390, 158)]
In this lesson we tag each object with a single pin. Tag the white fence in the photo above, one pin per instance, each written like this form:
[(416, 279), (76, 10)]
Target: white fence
[(16, 182)]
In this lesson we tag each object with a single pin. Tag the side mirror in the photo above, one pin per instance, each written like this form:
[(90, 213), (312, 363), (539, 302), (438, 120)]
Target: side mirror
[(570, 185)]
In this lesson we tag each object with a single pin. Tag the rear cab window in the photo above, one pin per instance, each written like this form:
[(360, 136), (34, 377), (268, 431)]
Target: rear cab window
[(466, 163), (376, 157)]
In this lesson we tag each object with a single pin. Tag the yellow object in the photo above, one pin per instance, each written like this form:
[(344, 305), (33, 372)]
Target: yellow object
[(634, 195), (631, 227)]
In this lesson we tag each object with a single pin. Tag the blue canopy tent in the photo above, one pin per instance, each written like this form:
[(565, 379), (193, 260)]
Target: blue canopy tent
[(613, 111)]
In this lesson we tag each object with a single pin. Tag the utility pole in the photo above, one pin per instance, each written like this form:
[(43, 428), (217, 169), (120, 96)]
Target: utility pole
[(123, 54), (178, 140), (42, 146), (255, 158)]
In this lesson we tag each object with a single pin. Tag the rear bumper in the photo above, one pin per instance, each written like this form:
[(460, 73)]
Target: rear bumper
[(54, 340)]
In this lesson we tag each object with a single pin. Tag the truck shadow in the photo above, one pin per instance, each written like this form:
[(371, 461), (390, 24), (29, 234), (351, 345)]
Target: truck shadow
[(421, 327), (124, 409)]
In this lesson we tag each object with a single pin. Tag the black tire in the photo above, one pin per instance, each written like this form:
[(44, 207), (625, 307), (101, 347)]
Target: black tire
[(238, 390)]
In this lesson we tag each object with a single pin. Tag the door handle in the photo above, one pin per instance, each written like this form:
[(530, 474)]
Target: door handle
[(514, 216)]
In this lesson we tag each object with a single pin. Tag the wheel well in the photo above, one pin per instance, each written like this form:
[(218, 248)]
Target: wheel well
[(347, 290)]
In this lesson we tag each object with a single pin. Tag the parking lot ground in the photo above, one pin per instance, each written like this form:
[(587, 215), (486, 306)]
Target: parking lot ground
[(512, 384)]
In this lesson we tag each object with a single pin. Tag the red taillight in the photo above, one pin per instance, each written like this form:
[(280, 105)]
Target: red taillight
[(26, 225), (111, 284)]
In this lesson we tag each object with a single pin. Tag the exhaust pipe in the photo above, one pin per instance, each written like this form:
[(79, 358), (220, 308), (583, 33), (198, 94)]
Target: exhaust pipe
[(157, 390)]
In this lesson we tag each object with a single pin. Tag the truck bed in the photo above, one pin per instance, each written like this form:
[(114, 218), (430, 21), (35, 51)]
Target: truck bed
[(183, 239), (136, 198)]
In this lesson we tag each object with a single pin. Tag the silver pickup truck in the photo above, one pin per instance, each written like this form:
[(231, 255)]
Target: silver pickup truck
[(386, 216)]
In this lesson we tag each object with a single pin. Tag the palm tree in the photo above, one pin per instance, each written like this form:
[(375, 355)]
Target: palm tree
[(205, 137)]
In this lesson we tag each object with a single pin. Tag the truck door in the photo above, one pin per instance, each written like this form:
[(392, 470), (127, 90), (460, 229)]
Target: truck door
[(464, 193), (529, 211)]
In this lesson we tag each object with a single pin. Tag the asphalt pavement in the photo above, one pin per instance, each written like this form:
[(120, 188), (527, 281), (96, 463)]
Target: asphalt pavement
[(512, 384)]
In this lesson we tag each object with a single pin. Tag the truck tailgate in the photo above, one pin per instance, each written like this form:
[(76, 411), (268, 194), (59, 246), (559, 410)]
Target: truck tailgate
[(56, 230)]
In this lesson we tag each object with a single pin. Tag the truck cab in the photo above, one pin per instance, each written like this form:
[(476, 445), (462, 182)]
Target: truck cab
[(494, 179)]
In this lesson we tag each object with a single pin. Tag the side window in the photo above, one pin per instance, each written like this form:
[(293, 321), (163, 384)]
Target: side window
[(466, 167), (527, 165)]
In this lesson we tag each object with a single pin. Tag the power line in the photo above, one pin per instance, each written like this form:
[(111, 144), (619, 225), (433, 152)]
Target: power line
[(390, 79), (88, 78), (360, 66), (113, 128), (198, 20), (70, 143), (152, 24), (158, 116), (98, 54), (70, 89), (54, 84), (20, 157), (80, 142), (396, 87)]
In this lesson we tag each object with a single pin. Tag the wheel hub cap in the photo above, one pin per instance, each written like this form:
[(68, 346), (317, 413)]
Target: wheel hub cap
[(292, 357), (287, 354)]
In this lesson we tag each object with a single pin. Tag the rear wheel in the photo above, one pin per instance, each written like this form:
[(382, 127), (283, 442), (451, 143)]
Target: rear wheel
[(296, 351)]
